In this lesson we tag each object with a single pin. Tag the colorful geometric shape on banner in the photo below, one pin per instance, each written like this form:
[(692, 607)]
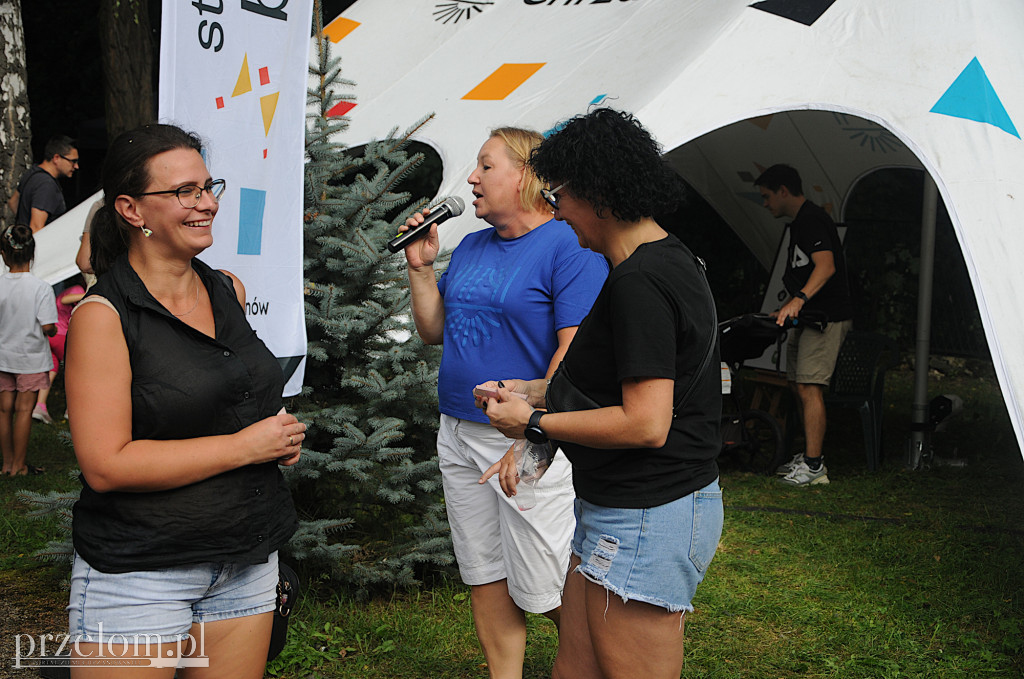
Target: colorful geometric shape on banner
[(244, 83), (251, 203), (505, 79), (341, 108), (268, 104), (220, 102), (805, 12), (264, 76), (753, 196), (972, 97), (289, 364), (339, 28)]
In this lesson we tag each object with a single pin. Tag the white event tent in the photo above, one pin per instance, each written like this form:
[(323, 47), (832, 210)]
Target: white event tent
[(837, 88)]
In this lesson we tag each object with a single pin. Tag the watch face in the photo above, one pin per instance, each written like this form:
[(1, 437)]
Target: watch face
[(535, 435)]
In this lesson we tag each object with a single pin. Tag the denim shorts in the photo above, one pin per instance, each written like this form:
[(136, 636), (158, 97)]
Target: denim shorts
[(168, 601), (657, 555)]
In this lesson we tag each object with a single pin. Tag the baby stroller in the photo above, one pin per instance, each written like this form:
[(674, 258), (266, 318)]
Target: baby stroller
[(751, 438)]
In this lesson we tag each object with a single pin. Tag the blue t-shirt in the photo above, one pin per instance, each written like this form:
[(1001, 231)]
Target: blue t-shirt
[(504, 301)]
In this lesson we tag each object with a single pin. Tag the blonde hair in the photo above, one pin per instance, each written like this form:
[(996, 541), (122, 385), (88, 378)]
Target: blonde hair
[(520, 144)]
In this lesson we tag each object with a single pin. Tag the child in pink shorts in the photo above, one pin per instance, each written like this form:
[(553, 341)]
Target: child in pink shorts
[(28, 315)]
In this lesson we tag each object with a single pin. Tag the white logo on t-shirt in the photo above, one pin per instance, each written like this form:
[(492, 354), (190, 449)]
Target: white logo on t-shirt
[(799, 258)]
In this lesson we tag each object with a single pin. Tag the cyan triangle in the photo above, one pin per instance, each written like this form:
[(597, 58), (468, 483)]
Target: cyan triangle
[(972, 97)]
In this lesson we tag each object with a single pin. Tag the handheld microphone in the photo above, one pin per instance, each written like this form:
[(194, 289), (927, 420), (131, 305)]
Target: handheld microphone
[(451, 207)]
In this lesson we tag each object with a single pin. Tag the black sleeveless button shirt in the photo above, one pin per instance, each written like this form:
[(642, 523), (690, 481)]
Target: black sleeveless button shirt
[(186, 385)]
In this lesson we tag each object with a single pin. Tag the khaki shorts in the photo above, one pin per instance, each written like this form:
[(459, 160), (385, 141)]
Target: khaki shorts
[(811, 355)]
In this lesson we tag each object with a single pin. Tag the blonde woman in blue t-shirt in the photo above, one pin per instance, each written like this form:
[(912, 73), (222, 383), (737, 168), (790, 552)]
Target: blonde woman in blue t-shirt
[(508, 304)]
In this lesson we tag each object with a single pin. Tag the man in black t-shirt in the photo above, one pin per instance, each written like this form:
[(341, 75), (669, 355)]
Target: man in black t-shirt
[(816, 280), (38, 200)]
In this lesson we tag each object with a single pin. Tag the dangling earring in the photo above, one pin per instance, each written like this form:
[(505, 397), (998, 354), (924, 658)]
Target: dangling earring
[(146, 232)]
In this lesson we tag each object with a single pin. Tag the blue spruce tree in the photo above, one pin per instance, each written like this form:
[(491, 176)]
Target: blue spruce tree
[(368, 488)]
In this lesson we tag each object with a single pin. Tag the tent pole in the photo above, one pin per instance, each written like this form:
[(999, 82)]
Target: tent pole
[(919, 424)]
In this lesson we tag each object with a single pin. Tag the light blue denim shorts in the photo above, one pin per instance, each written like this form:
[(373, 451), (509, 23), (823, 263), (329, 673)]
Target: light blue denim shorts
[(168, 601), (657, 555)]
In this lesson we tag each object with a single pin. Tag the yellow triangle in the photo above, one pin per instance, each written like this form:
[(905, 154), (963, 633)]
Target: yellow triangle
[(268, 105), (243, 84)]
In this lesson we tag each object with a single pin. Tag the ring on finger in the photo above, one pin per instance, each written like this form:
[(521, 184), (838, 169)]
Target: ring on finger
[(290, 441)]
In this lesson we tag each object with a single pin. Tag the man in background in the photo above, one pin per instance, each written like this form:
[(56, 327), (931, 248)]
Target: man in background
[(816, 280), (38, 200)]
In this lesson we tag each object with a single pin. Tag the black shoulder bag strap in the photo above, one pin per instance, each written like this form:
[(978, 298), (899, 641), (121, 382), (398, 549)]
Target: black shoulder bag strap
[(711, 341)]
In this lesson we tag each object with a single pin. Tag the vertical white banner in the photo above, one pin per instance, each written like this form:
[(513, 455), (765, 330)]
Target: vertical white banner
[(234, 72)]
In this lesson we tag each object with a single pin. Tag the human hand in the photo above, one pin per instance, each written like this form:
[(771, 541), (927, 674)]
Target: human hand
[(790, 309), (423, 251), (507, 471), (489, 390), (508, 414), (276, 438)]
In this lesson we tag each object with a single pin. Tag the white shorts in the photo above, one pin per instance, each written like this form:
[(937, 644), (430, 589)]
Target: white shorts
[(493, 539)]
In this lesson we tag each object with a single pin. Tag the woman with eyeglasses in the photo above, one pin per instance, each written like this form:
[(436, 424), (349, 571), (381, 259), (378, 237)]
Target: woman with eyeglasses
[(648, 507), (508, 303), (177, 424)]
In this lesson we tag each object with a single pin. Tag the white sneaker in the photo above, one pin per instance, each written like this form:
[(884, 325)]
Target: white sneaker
[(802, 475), (786, 467), (39, 413)]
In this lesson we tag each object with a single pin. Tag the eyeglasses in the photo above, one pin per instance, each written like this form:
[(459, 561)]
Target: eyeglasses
[(73, 161), (189, 196), (551, 195)]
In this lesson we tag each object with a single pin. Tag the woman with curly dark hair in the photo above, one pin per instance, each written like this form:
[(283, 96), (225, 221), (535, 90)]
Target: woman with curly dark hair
[(648, 505)]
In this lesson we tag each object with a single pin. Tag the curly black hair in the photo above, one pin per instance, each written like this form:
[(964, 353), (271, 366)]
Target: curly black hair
[(609, 160)]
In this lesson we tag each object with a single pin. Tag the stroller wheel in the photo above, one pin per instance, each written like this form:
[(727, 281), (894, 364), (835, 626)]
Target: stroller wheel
[(763, 444)]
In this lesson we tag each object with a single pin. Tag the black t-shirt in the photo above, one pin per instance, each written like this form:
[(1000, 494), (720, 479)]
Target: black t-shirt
[(814, 231), (38, 189), (653, 318)]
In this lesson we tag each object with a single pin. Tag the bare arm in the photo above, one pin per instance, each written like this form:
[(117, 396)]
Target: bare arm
[(72, 298), (13, 201), (84, 252), (565, 336), (824, 269), (427, 303), (98, 386), (642, 421), (50, 329), (39, 218)]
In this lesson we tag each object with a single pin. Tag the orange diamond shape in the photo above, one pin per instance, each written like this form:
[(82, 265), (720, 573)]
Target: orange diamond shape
[(505, 79)]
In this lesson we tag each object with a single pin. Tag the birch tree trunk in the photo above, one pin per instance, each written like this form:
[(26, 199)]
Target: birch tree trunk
[(15, 132)]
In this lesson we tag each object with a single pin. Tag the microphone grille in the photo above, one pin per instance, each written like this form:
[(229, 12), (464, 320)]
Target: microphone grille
[(455, 204)]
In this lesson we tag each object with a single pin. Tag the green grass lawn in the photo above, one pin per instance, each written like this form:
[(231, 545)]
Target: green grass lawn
[(892, 574)]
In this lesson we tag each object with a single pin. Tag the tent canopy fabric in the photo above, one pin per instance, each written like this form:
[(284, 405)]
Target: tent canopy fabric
[(836, 88), (57, 243)]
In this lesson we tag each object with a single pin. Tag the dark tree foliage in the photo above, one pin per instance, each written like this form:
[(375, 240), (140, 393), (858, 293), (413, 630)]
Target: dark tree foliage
[(127, 53)]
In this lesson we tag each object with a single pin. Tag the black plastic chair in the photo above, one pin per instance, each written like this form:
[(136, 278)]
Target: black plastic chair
[(859, 382)]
